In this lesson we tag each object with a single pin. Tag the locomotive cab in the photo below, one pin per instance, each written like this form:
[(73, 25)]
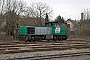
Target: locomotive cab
[(58, 32)]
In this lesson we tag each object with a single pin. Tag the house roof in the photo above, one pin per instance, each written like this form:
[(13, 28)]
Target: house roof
[(70, 20), (73, 21), (29, 22)]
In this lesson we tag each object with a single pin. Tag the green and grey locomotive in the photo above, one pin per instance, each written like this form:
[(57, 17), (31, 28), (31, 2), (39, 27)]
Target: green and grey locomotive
[(51, 31)]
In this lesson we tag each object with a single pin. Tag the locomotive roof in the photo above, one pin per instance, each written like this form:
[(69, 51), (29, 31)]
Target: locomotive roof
[(52, 22)]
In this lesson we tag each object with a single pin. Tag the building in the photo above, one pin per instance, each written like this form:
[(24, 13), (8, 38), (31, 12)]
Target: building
[(71, 25), (30, 21)]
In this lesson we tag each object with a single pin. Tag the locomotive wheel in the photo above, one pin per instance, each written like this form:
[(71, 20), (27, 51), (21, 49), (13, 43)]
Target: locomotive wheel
[(64, 37), (48, 40), (26, 38), (23, 38)]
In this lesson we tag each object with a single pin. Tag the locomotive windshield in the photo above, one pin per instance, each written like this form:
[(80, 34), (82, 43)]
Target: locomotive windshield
[(57, 25), (54, 24)]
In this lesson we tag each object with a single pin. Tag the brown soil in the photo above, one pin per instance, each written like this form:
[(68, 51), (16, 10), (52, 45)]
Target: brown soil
[(6, 38)]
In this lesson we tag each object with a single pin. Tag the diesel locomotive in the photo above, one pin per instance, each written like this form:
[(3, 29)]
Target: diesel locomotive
[(51, 31)]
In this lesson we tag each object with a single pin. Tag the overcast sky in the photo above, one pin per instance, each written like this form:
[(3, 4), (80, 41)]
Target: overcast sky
[(66, 8)]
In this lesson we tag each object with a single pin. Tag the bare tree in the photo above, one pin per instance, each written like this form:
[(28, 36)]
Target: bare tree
[(39, 10), (14, 9), (2, 3), (86, 14), (2, 21)]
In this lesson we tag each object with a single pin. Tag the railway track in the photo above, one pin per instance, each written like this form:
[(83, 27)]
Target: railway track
[(22, 47), (49, 56)]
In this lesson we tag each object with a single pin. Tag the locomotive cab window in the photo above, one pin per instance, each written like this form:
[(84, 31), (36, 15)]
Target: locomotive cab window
[(57, 25), (54, 24)]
